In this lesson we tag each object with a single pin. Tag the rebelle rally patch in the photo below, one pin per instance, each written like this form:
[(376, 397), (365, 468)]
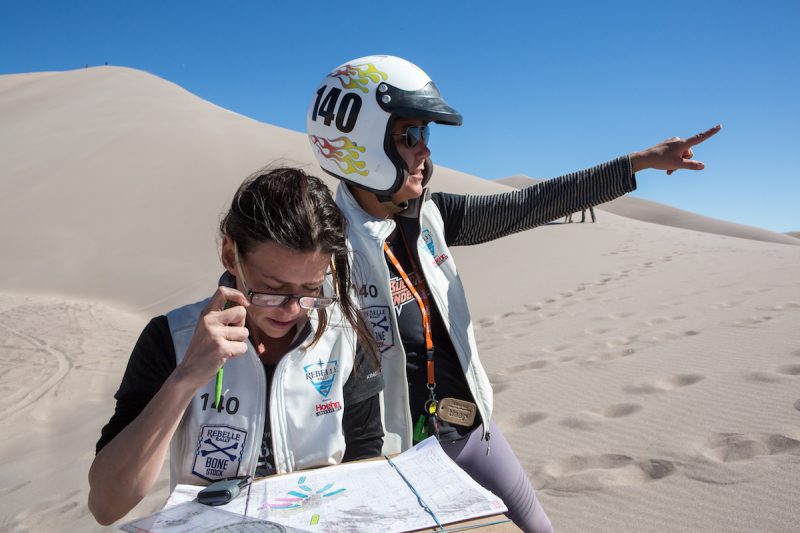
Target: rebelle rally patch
[(219, 452), (321, 375), (380, 323)]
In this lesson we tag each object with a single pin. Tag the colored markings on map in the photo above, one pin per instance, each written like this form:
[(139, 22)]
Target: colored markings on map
[(296, 498), (286, 503)]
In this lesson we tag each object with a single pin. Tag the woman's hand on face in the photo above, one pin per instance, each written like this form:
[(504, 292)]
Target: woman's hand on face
[(220, 335), (672, 154)]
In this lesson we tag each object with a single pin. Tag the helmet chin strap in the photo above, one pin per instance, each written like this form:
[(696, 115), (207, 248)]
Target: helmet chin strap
[(398, 208)]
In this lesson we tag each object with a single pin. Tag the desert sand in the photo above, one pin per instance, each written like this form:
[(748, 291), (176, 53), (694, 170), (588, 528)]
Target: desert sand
[(646, 368)]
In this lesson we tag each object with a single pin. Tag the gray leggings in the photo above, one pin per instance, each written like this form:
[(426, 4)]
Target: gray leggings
[(501, 473)]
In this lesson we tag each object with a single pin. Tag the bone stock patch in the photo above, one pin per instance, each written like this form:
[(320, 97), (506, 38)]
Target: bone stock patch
[(379, 322), (219, 452)]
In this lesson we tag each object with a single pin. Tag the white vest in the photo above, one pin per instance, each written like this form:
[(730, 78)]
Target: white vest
[(306, 404), (366, 235)]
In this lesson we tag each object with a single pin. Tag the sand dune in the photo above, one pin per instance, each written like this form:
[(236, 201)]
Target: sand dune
[(649, 211), (646, 374)]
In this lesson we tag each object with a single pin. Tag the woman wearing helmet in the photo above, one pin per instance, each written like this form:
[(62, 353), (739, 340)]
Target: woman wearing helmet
[(368, 126)]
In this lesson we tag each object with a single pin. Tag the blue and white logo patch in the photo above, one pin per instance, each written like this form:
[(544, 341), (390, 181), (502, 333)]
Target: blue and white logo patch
[(321, 375), (219, 452), (428, 240), (380, 323)]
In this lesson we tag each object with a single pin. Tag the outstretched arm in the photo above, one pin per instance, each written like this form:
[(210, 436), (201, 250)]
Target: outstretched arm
[(475, 219), (124, 470)]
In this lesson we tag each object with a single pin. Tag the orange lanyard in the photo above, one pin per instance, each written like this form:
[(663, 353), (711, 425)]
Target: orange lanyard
[(422, 301)]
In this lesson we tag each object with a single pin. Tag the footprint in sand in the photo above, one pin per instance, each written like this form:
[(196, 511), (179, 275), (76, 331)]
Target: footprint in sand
[(600, 331), (733, 447), (522, 420), (619, 410), (612, 355), (588, 420), (661, 320), (484, 323), (780, 307), (789, 370), (499, 388), (773, 377), (762, 377), (726, 305), (797, 405), (595, 472), (750, 322), (665, 384), (618, 316), (583, 421), (663, 336), (557, 348), (511, 373), (621, 341)]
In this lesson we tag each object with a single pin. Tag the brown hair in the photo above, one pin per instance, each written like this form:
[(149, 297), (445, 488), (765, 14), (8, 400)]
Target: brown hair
[(296, 210)]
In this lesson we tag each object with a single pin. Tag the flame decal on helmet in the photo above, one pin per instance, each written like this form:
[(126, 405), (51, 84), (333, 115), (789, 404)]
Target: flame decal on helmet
[(345, 155), (359, 75)]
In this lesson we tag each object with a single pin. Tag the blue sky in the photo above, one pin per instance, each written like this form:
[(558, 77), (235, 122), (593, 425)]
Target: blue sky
[(544, 88)]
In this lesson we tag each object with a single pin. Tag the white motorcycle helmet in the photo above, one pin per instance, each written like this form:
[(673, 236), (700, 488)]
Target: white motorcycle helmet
[(351, 116)]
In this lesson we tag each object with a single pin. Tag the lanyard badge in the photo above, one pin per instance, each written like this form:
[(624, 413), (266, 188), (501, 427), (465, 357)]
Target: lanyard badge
[(451, 410)]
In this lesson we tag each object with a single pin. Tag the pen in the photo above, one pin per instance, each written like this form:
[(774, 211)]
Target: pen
[(218, 390), (220, 373)]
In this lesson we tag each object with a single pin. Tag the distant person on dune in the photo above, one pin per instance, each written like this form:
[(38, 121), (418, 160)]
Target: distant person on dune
[(568, 218), (283, 324), (369, 126)]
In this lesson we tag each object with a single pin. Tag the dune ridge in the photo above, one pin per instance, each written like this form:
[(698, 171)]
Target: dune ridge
[(657, 213)]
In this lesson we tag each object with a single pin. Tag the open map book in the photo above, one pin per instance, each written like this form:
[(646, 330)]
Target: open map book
[(414, 490)]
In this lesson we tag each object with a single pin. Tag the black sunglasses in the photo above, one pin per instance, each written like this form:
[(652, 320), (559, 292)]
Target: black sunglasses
[(415, 134)]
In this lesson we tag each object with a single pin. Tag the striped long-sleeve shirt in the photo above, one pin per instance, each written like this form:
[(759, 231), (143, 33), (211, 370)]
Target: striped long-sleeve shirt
[(474, 219)]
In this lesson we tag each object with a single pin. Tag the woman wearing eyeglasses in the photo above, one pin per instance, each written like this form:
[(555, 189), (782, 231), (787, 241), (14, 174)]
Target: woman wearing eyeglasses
[(282, 323), (368, 126)]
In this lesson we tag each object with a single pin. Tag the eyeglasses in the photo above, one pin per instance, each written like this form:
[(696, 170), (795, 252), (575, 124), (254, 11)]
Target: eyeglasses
[(266, 299), (415, 134)]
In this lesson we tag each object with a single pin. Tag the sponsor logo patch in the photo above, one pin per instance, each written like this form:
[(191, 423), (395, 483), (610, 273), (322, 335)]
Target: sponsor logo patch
[(380, 323), (321, 375), (219, 452), (328, 407), (427, 238)]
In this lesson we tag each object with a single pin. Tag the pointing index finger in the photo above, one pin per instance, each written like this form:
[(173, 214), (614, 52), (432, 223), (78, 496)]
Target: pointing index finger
[(700, 137)]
